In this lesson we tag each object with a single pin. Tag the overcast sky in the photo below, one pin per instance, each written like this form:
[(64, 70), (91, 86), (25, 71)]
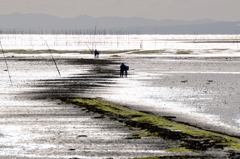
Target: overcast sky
[(227, 10)]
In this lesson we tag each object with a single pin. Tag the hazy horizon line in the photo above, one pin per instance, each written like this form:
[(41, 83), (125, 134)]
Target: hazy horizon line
[(120, 17)]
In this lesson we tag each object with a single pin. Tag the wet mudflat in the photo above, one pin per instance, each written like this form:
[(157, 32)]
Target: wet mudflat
[(186, 86), (34, 124)]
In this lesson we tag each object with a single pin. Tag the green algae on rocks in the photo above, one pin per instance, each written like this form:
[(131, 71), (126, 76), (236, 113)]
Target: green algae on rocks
[(192, 138)]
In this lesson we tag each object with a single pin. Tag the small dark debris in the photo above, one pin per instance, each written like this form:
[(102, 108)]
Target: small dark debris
[(99, 117), (71, 149), (82, 136), (133, 137), (184, 81), (134, 116), (169, 117)]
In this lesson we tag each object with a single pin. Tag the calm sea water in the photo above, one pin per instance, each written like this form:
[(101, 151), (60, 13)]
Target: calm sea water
[(120, 42)]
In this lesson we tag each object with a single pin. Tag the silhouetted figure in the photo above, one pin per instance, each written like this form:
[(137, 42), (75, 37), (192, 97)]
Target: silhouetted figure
[(96, 53), (123, 68)]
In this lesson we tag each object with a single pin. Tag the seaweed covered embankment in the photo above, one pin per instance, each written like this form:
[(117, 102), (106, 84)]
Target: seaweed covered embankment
[(192, 138)]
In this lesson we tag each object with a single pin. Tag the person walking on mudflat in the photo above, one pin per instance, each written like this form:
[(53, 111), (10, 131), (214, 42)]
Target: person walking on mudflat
[(96, 53), (123, 68)]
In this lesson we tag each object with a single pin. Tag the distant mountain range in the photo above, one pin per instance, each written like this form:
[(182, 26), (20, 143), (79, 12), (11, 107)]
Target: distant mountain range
[(83, 24)]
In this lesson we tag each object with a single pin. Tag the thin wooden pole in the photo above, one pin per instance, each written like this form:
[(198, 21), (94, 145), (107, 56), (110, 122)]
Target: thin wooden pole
[(53, 59), (6, 65)]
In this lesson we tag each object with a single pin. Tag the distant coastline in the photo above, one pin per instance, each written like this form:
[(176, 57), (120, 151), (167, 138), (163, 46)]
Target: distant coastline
[(46, 24)]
